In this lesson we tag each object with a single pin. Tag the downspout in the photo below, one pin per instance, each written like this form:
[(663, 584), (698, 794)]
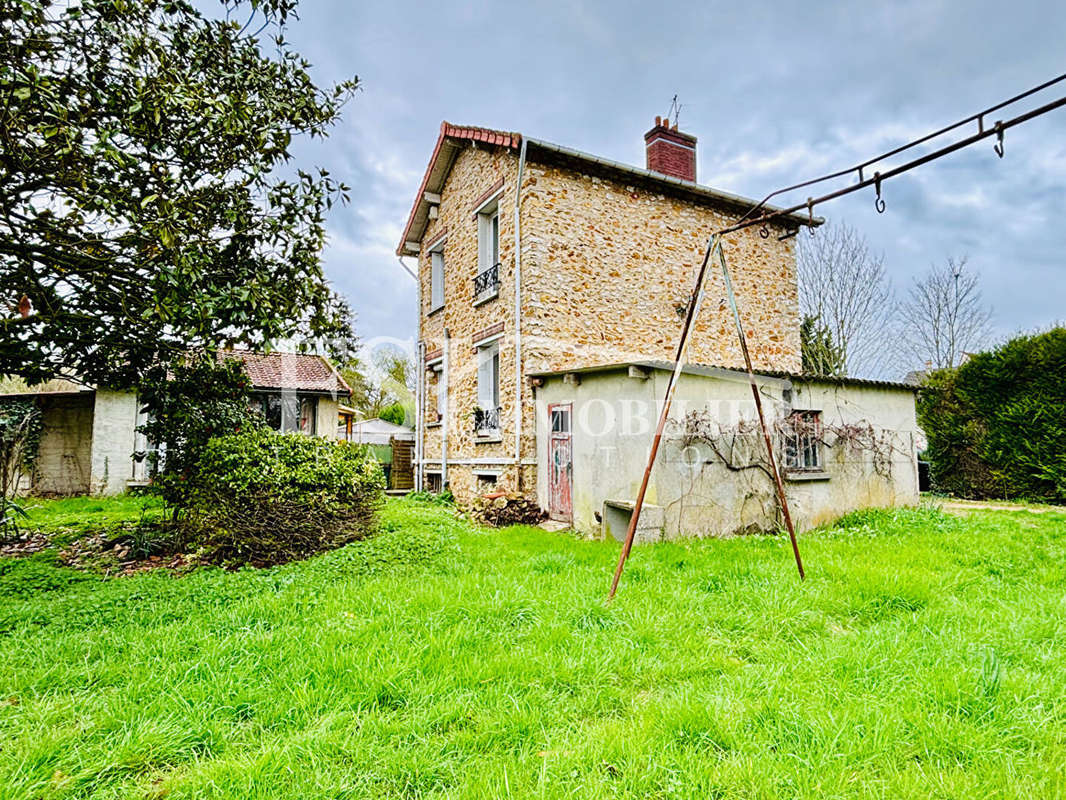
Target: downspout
[(420, 379), (420, 376), (447, 410), (518, 315)]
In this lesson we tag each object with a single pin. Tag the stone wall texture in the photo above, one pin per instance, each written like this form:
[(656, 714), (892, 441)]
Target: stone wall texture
[(62, 466), (607, 270)]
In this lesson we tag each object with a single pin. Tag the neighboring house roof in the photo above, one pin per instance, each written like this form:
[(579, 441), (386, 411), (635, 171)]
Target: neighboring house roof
[(48, 393), (710, 370), (300, 372), (453, 138), (378, 425), (379, 431)]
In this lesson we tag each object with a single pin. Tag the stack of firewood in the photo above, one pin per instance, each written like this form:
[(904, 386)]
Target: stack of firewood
[(501, 509)]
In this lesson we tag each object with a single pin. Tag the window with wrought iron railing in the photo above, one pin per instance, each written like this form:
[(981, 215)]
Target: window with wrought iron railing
[(487, 420), (487, 282)]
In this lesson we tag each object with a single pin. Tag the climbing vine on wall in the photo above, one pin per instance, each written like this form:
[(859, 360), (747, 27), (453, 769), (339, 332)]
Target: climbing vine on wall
[(20, 441), (739, 446)]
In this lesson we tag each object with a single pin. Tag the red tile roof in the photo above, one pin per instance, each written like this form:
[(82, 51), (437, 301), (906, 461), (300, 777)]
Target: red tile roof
[(299, 371), (453, 138), (455, 133)]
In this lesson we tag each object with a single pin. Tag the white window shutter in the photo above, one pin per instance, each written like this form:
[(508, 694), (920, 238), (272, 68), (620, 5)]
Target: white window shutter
[(494, 243), (484, 378), (437, 280), (495, 375), (482, 243)]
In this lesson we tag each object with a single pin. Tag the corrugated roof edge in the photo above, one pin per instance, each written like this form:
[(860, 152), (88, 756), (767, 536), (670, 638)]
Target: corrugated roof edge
[(711, 370)]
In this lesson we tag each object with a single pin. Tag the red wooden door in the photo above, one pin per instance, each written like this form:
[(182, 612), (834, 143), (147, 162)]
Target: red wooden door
[(560, 466)]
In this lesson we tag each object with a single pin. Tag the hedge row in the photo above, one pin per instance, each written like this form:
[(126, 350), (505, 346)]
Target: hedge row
[(997, 424)]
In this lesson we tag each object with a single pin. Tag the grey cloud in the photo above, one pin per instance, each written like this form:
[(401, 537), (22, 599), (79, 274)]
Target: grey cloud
[(776, 93)]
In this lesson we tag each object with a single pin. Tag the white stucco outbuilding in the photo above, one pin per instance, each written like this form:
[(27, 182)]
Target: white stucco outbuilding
[(90, 445), (843, 444)]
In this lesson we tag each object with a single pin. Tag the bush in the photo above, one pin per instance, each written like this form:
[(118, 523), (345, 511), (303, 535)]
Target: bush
[(997, 424), (188, 402), (265, 498)]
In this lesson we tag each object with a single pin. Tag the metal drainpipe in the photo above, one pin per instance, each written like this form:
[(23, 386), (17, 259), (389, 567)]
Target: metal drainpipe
[(420, 379), (447, 409), (518, 316)]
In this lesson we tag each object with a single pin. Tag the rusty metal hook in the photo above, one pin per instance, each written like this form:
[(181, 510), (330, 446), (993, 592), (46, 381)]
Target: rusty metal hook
[(998, 146), (810, 216), (879, 203), (764, 231)]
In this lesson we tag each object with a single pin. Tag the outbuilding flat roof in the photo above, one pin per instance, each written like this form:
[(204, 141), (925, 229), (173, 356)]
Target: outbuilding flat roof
[(710, 370)]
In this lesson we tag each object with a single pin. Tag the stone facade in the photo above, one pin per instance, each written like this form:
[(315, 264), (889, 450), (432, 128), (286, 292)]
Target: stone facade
[(607, 269)]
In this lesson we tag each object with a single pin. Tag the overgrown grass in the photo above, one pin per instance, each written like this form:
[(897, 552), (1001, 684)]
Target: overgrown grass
[(89, 512), (923, 657)]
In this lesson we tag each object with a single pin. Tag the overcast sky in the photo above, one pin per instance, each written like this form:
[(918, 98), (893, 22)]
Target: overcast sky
[(775, 92)]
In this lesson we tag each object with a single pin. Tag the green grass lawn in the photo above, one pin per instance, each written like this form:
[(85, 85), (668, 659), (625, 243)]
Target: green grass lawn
[(925, 656)]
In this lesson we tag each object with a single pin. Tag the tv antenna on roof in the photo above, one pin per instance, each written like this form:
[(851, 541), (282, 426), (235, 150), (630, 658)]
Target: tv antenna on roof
[(675, 110)]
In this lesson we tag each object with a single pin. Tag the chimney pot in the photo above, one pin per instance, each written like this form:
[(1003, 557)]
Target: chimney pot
[(669, 151)]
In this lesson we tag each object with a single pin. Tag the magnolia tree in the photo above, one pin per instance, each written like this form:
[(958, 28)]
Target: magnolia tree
[(145, 205)]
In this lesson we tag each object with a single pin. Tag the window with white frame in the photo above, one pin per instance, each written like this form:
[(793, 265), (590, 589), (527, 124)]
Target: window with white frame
[(802, 434), (435, 410), (487, 282), (487, 480), (287, 411), (433, 481), (487, 413), (436, 290)]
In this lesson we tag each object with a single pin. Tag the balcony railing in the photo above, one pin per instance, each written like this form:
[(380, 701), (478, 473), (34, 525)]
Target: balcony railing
[(486, 420), (488, 282)]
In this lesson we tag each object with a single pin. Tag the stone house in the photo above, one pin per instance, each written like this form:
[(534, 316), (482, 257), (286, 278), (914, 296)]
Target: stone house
[(538, 259), (90, 445)]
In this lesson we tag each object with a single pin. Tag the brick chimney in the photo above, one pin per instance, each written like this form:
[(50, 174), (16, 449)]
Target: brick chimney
[(671, 152)]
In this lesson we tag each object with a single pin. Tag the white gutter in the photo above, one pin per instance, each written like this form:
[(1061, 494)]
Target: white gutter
[(420, 379), (518, 312)]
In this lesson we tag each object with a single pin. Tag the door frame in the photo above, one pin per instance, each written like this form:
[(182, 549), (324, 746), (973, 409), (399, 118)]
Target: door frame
[(568, 436)]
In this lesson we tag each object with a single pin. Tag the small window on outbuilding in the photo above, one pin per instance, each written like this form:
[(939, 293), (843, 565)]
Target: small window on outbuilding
[(802, 434), (288, 412)]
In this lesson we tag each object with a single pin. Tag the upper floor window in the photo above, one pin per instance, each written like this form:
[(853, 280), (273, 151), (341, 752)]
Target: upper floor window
[(487, 282), (436, 291), (802, 434)]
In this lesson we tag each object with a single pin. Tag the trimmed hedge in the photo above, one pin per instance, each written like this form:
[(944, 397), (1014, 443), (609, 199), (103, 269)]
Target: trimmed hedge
[(997, 424), (265, 498)]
